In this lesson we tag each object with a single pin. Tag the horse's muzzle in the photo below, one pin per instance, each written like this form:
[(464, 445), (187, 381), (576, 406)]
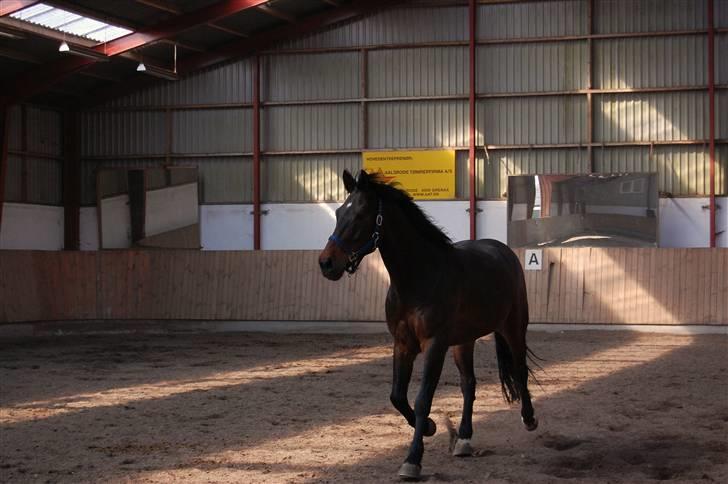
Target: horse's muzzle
[(330, 267)]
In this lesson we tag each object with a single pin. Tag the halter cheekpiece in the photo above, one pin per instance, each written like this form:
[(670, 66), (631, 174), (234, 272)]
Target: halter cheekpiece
[(356, 256)]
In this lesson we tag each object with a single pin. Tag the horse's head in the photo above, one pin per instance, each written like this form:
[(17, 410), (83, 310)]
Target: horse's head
[(358, 222)]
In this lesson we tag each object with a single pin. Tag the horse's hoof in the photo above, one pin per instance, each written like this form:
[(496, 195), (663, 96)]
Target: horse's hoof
[(410, 471), (462, 448), (431, 428), (532, 425)]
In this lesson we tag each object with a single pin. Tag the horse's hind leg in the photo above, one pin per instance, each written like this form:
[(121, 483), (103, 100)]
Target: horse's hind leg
[(463, 356), (517, 368)]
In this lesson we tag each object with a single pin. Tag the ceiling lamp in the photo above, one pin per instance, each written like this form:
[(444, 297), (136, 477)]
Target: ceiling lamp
[(157, 72), (81, 51), (141, 67)]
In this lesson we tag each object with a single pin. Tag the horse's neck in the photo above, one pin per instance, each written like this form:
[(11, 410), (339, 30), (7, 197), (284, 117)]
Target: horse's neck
[(407, 256)]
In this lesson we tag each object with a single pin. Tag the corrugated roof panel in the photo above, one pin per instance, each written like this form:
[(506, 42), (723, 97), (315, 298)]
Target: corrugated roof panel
[(123, 133), (651, 117), (310, 127), (681, 170), (70, 23), (212, 131), (536, 120), (649, 15), (306, 178), (302, 77), (418, 124), (531, 19), (393, 26), (432, 71), (651, 62), (492, 173), (532, 67), (45, 181)]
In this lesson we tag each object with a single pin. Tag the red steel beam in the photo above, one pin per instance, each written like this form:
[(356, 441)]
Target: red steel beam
[(711, 102), (38, 80), (9, 7), (471, 164), (245, 47), (256, 155)]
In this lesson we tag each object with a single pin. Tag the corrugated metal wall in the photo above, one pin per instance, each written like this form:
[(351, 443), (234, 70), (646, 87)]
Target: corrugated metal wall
[(34, 173), (399, 79)]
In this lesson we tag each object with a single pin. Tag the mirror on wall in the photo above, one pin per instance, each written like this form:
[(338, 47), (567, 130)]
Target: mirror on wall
[(594, 210), (148, 208)]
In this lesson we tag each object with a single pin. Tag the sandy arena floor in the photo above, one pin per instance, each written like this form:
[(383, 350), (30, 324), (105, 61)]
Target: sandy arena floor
[(243, 408)]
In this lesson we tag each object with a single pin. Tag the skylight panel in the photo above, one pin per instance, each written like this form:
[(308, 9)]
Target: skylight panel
[(70, 23)]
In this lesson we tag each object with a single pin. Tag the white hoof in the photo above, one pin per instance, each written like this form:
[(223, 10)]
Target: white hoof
[(462, 448), (410, 471)]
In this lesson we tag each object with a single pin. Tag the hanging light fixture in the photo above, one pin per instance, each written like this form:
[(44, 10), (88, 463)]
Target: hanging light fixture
[(141, 67), (64, 47)]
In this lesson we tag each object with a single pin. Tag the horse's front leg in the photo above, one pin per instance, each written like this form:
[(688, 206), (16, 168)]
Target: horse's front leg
[(402, 372), (434, 359)]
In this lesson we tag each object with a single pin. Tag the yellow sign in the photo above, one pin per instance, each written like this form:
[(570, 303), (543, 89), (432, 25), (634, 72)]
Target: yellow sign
[(425, 175)]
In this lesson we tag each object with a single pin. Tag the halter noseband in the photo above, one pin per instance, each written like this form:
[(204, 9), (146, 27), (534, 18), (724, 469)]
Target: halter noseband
[(355, 257)]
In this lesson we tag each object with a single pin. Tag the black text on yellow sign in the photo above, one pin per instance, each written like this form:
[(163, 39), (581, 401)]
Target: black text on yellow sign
[(425, 175)]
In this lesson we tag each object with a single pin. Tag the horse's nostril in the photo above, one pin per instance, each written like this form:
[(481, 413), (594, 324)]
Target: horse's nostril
[(326, 264)]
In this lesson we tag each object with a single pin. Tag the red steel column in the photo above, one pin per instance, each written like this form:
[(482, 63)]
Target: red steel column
[(471, 163), (256, 154), (4, 137), (711, 102)]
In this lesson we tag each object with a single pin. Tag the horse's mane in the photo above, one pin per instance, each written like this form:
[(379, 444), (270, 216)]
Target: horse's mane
[(388, 191)]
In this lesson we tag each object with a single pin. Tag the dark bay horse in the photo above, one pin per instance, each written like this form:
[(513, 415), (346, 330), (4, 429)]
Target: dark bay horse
[(441, 295)]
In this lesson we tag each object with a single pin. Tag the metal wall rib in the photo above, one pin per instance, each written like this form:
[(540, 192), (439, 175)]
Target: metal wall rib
[(310, 127), (44, 131), (557, 66), (45, 181), (14, 128), (13, 179), (539, 120), (211, 131), (223, 180), (612, 16), (681, 170), (651, 117), (418, 124), (308, 178), (528, 19), (312, 76), (436, 71), (122, 133), (651, 62), (493, 172), (226, 84)]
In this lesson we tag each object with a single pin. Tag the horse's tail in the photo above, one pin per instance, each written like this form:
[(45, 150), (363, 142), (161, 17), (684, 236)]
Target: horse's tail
[(506, 370)]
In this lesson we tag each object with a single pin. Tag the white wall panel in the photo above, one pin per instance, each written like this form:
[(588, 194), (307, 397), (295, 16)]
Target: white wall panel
[(684, 223), (226, 227), (171, 208), (115, 222), (491, 222), (31, 227)]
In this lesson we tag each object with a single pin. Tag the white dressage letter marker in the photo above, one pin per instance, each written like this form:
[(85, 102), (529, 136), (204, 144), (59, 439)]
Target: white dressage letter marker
[(533, 259)]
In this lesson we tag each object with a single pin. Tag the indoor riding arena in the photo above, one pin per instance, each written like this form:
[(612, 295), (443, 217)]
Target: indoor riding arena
[(337, 241)]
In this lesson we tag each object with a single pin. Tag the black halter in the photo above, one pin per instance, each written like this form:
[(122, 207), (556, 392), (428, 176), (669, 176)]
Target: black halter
[(356, 256)]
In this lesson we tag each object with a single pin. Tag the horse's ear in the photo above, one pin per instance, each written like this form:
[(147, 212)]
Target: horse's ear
[(362, 181), (349, 182)]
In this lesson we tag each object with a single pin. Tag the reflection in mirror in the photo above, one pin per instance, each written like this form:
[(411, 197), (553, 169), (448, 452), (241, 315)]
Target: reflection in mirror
[(152, 208), (596, 210)]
